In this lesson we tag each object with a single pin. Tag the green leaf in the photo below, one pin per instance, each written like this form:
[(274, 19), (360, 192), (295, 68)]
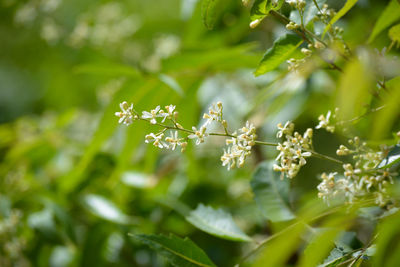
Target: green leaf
[(105, 209), (335, 257), (354, 90), (391, 159), (261, 8), (389, 16), (349, 4), (216, 222), (271, 193), (282, 49), (209, 12), (394, 33), (179, 252), (386, 118)]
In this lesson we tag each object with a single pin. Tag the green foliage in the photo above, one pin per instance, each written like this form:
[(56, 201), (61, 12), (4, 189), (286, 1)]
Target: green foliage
[(389, 16), (346, 8), (282, 49), (79, 189), (394, 33), (216, 222), (261, 8), (179, 252), (271, 193)]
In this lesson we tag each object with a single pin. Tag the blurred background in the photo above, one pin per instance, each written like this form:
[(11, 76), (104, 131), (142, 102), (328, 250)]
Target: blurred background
[(74, 183)]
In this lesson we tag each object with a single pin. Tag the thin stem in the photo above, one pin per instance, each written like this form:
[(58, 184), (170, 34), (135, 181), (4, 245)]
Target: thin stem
[(314, 153)]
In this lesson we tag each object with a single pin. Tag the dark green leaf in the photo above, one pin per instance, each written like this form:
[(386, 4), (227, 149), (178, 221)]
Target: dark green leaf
[(282, 49), (216, 222), (271, 193), (209, 12), (179, 252), (391, 159), (389, 16)]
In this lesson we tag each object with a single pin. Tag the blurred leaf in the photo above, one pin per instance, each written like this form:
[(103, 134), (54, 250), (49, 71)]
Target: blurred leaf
[(172, 83), (179, 252), (323, 240), (312, 10), (277, 251), (384, 119), (354, 90), (138, 180), (105, 209), (335, 257), (394, 33), (109, 69), (282, 49), (389, 16), (209, 11), (349, 4), (391, 159), (271, 193), (106, 127), (216, 222), (43, 221), (261, 8), (387, 242)]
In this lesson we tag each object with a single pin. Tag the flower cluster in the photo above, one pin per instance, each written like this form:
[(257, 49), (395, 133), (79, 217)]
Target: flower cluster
[(293, 151), (239, 143), (360, 178), (327, 122), (239, 146), (298, 4), (126, 115)]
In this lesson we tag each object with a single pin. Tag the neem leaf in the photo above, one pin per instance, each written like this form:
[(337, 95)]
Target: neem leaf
[(261, 8), (209, 12), (392, 158), (278, 53), (216, 222), (349, 4), (179, 252), (271, 193), (394, 33), (390, 15)]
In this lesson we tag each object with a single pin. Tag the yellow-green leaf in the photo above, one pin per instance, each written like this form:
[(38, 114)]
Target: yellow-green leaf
[(349, 4), (389, 16)]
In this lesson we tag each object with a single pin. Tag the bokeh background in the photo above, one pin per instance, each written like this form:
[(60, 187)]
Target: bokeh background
[(74, 183)]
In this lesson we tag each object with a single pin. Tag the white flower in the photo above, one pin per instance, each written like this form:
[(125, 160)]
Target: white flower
[(173, 140), (126, 115), (152, 115), (294, 151), (157, 140), (283, 130), (198, 134), (214, 113), (169, 114), (324, 122)]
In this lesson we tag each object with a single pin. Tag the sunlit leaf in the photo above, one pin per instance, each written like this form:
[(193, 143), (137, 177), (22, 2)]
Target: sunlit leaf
[(216, 222), (391, 159), (384, 119), (394, 33), (354, 90), (105, 209), (349, 4), (389, 16), (179, 252), (271, 193), (282, 49), (261, 8)]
